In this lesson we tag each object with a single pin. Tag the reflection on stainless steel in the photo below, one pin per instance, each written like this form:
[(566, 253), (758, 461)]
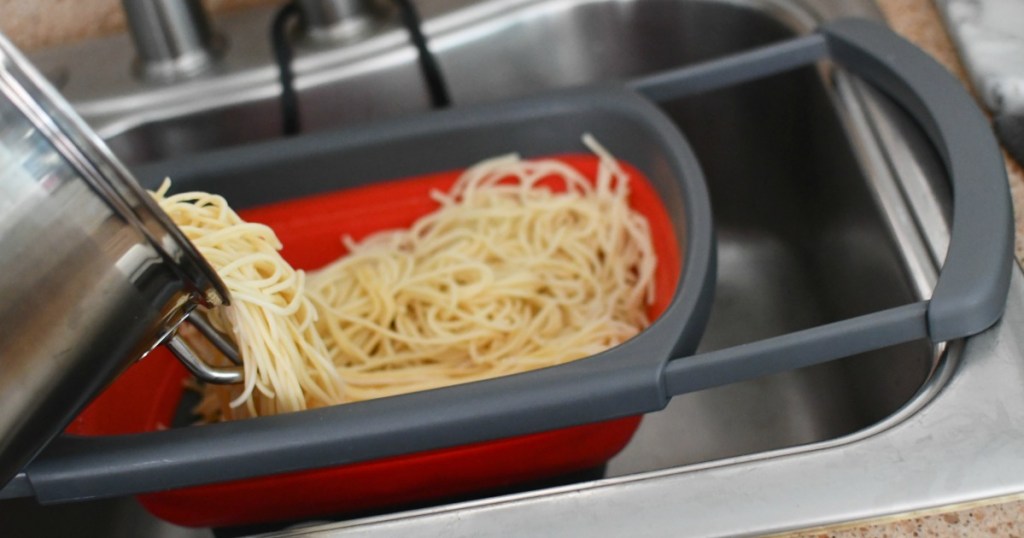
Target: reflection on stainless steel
[(921, 179), (93, 275), (886, 182), (336, 21), (826, 207)]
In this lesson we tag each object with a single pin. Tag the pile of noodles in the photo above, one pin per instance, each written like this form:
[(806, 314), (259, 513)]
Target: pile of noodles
[(524, 264)]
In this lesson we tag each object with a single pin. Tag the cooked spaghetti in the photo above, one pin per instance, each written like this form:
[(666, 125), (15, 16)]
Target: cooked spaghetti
[(271, 316), (524, 264)]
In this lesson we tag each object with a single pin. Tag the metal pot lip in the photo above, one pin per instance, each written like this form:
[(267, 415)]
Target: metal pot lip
[(69, 135)]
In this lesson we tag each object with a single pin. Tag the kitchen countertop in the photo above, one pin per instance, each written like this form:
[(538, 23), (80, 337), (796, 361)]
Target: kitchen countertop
[(918, 21), (990, 39), (1002, 517)]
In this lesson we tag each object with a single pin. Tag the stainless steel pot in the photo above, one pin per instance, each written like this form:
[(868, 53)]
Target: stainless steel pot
[(92, 274)]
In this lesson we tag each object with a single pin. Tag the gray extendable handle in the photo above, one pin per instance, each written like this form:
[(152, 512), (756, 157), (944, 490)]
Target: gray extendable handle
[(971, 290)]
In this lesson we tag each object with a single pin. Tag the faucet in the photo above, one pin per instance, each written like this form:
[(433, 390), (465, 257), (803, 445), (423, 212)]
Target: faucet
[(173, 38)]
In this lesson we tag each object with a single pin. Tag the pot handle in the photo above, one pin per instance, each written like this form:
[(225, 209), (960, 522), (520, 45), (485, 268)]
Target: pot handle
[(180, 346), (970, 294)]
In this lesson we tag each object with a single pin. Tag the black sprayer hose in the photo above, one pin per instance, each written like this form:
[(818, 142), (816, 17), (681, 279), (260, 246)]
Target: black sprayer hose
[(283, 54), (439, 96), (290, 121)]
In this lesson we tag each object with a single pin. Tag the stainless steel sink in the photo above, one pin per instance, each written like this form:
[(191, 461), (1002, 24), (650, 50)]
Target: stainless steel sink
[(827, 205), (487, 51)]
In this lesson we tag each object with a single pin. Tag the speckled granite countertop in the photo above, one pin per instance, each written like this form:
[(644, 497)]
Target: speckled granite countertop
[(1003, 517)]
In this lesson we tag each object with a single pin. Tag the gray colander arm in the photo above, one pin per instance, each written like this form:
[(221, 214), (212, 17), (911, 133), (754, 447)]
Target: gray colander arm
[(971, 291)]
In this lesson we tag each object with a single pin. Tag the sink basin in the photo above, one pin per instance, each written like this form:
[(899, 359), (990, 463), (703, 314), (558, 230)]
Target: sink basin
[(806, 172), (801, 239)]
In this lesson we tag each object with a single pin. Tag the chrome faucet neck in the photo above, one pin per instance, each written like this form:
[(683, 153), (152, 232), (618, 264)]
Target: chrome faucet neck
[(173, 38)]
